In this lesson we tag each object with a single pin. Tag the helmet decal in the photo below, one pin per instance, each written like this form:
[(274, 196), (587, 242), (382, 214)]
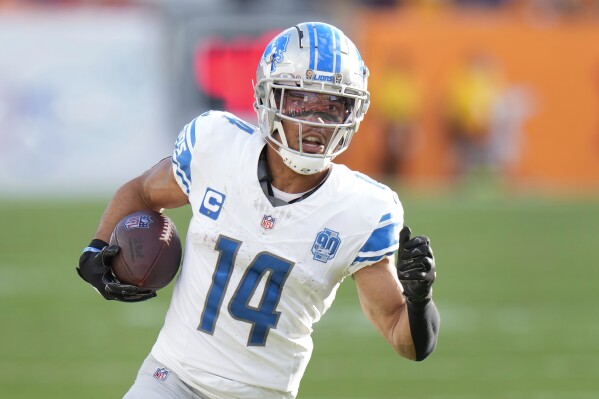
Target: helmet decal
[(274, 51)]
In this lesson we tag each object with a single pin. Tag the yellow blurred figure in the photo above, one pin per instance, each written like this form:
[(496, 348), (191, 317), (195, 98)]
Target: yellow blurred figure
[(473, 93), (398, 98)]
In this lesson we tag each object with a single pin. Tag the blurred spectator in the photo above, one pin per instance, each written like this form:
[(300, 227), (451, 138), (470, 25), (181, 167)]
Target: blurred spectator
[(558, 9), (473, 93), (397, 97), (485, 117), (512, 108), (481, 3), (45, 3), (382, 3)]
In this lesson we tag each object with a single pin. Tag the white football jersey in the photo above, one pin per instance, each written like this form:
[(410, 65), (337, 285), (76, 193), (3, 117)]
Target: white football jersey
[(255, 278)]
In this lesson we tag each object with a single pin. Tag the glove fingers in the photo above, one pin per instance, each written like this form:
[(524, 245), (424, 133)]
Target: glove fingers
[(125, 292), (129, 293), (417, 271), (422, 262), (422, 250), (90, 266), (416, 275), (412, 275), (416, 241), (138, 298), (108, 253), (125, 289)]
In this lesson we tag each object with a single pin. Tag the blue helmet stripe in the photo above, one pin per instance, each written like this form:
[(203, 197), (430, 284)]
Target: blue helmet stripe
[(324, 35), (337, 52), (312, 47)]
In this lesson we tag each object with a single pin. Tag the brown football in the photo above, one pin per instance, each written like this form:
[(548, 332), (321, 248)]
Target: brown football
[(150, 252)]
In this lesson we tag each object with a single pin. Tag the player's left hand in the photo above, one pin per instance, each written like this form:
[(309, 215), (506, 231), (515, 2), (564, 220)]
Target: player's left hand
[(415, 266)]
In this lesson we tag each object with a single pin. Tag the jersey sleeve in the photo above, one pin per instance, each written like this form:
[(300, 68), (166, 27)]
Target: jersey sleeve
[(384, 239), (182, 155), (200, 143)]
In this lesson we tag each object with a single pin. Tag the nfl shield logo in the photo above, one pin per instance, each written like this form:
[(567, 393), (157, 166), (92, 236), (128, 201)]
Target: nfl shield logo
[(268, 222), (138, 222), (161, 373)]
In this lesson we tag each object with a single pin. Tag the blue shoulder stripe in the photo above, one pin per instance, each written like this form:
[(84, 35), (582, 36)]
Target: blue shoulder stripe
[(382, 238), (192, 133), (373, 259), (182, 177), (386, 217), (182, 154)]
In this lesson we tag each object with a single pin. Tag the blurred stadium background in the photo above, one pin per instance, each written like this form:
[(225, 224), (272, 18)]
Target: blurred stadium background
[(485, 119)]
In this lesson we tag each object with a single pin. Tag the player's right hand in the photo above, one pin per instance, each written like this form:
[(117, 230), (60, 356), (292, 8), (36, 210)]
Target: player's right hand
[(94, 268)]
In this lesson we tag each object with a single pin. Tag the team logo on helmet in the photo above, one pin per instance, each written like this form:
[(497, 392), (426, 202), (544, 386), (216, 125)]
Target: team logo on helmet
[(325, 245), (274, 51)]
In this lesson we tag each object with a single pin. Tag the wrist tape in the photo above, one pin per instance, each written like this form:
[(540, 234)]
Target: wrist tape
[(95, 246)]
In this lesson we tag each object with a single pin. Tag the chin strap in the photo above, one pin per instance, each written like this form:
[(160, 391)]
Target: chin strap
[(303, 165)]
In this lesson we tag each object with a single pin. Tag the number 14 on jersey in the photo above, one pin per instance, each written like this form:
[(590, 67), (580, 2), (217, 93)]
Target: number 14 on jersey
[(262, 317)]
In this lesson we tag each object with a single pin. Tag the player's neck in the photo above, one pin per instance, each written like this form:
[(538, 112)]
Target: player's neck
[(286, 180)]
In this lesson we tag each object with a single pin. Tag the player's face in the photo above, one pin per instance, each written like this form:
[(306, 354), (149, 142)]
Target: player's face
[(323, 109)]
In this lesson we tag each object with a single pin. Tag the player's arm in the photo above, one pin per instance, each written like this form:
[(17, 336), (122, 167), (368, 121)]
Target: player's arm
[(155, 189), (384, 305), (397, 299)]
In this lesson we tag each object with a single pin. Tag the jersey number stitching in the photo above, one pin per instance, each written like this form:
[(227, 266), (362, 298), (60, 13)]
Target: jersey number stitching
[(262, 317)]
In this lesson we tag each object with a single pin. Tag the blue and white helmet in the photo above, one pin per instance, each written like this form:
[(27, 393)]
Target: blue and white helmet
[(312, 57)]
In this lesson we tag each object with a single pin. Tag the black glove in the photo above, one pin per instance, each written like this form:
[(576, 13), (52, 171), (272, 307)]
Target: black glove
[(415, 266), (94, 268)]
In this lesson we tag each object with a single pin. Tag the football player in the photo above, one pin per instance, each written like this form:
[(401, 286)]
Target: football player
[(276, 227)]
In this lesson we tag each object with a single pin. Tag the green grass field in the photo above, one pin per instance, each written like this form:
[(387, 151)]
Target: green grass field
[(516, 290)]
